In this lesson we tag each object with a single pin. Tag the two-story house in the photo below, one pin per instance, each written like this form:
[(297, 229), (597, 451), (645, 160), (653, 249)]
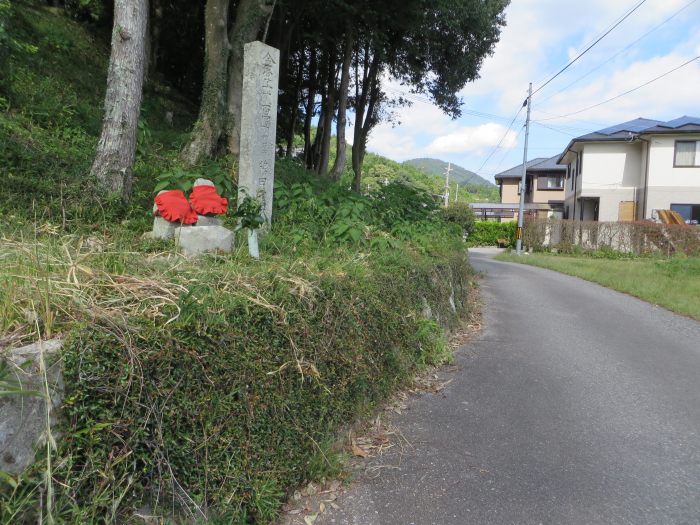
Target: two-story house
[(544, 189), (628, 171)]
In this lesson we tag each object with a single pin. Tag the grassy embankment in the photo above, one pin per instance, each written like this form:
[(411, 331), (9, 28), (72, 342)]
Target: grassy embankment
[(207, 388), (672, 283)]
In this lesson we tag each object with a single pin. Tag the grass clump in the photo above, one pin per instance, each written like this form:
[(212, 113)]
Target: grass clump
[(673, 283)]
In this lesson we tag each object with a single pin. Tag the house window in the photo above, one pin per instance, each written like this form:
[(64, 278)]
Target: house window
[(550, 182), (687, 154), (689, 212)]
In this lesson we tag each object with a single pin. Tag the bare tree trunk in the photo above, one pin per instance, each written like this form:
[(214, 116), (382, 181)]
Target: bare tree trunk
[(364, 115), (295, 104), (328, 113), (341, 144), (156, 24), (212, 111), (116, 149), (310, 108), (251, 16)]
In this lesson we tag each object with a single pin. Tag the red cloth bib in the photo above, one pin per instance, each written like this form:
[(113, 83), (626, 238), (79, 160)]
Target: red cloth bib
[(173, 206), (205, 200)]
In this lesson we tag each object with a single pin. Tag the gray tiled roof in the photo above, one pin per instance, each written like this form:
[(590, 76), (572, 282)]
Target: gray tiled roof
[(549, 164), (538, 164), (639, 126)]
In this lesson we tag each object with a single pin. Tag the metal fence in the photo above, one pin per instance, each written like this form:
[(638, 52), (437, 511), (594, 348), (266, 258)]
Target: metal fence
[(640, 237)]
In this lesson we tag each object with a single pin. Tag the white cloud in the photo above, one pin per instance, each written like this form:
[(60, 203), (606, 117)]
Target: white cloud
[(473, 139)]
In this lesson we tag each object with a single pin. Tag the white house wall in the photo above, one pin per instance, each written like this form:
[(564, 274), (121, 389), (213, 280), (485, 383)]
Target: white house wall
[(669, 185), (611, 171)]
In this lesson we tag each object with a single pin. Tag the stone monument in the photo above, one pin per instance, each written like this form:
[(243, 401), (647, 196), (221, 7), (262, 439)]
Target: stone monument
[(256, 175)]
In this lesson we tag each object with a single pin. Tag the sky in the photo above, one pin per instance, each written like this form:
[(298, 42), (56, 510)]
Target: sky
[(540, 37)]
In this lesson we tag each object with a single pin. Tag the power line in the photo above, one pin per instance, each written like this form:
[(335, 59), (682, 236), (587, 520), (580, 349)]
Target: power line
[(629, 46), (503, 157), (567, 133), (575, 59), (626, 92), (413, 97), (502, 139)]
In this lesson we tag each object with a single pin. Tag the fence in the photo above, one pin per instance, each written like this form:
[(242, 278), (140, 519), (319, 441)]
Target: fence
[(640, 237)]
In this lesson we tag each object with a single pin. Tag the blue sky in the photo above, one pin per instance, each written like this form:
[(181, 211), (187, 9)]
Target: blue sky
[(541, 36)]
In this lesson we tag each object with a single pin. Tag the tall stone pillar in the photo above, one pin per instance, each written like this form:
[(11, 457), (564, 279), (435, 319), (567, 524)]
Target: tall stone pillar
[(256, 171)]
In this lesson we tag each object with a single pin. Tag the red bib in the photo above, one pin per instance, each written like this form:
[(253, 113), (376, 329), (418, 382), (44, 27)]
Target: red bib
[(205, 200), (173, 206)]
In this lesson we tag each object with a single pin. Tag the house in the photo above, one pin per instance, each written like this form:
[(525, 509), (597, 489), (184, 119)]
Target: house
[(544, 188), (629, 171)]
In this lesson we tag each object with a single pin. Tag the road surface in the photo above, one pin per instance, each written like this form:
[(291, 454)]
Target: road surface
[(575, 405)]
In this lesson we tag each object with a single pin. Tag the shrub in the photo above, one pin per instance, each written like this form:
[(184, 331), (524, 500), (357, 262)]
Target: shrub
[(486, 233), (462, 214)]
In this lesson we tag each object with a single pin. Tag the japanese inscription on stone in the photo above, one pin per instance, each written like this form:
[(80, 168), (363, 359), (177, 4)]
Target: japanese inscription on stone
[(258, 124)]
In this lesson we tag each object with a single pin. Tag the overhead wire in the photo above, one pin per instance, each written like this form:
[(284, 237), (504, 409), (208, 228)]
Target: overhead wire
[(591, 46), (626, 92), (498, 146), (626, 48)]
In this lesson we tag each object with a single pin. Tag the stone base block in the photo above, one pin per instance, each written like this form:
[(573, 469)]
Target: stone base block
[(206, 220), (162, 229), (195, 240)]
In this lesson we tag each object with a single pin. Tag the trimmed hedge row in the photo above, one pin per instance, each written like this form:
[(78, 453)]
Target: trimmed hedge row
[(487, 233)]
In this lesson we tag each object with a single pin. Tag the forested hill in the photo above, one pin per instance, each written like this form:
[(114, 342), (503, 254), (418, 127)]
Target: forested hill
[(458, 173), (380, 170)]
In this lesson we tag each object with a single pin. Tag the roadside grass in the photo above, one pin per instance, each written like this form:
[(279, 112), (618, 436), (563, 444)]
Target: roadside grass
[(672, 283)]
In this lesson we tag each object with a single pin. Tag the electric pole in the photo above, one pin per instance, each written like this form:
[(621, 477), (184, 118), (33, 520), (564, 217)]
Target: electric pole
[(447, 183), (457, 194), (523, 179)]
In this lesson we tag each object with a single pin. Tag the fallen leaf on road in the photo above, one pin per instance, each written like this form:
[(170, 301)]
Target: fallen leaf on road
[(310, 519), (357, 451)]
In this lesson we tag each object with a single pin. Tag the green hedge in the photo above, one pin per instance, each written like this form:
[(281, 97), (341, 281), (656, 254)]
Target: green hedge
[(235, 402), (486, 233)]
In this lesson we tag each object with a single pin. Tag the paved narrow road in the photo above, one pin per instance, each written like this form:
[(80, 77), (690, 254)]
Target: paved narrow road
[(576, 405)]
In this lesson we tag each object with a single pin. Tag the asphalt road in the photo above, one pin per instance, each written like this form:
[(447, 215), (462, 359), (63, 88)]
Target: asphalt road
[(575, 405)]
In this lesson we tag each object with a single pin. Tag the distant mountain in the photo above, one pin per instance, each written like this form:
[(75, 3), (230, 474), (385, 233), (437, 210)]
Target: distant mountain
[(458, 173)]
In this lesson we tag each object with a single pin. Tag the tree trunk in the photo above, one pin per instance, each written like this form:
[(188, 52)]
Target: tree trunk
[(116, 149), (328, 113), (323, 92), (156, 24), (251, 16), (364, 116), (341, 145), (294, 110), (310, 108), (212, 111)]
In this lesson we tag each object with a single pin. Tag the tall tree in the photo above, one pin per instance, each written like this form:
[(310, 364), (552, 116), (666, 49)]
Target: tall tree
[(340, 154), (251, 16), (210, 124), (116, 149)]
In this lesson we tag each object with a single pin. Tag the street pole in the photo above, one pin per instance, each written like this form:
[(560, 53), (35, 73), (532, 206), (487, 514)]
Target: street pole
[(523, 178), (447, 184), (457, 194)]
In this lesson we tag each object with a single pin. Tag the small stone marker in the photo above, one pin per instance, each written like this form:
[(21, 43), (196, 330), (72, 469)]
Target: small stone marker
[(23, 418), (256, 175)]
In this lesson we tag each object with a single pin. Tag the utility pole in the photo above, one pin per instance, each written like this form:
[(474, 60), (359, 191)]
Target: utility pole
[(447, 183), (523, 179), (457, 194)]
